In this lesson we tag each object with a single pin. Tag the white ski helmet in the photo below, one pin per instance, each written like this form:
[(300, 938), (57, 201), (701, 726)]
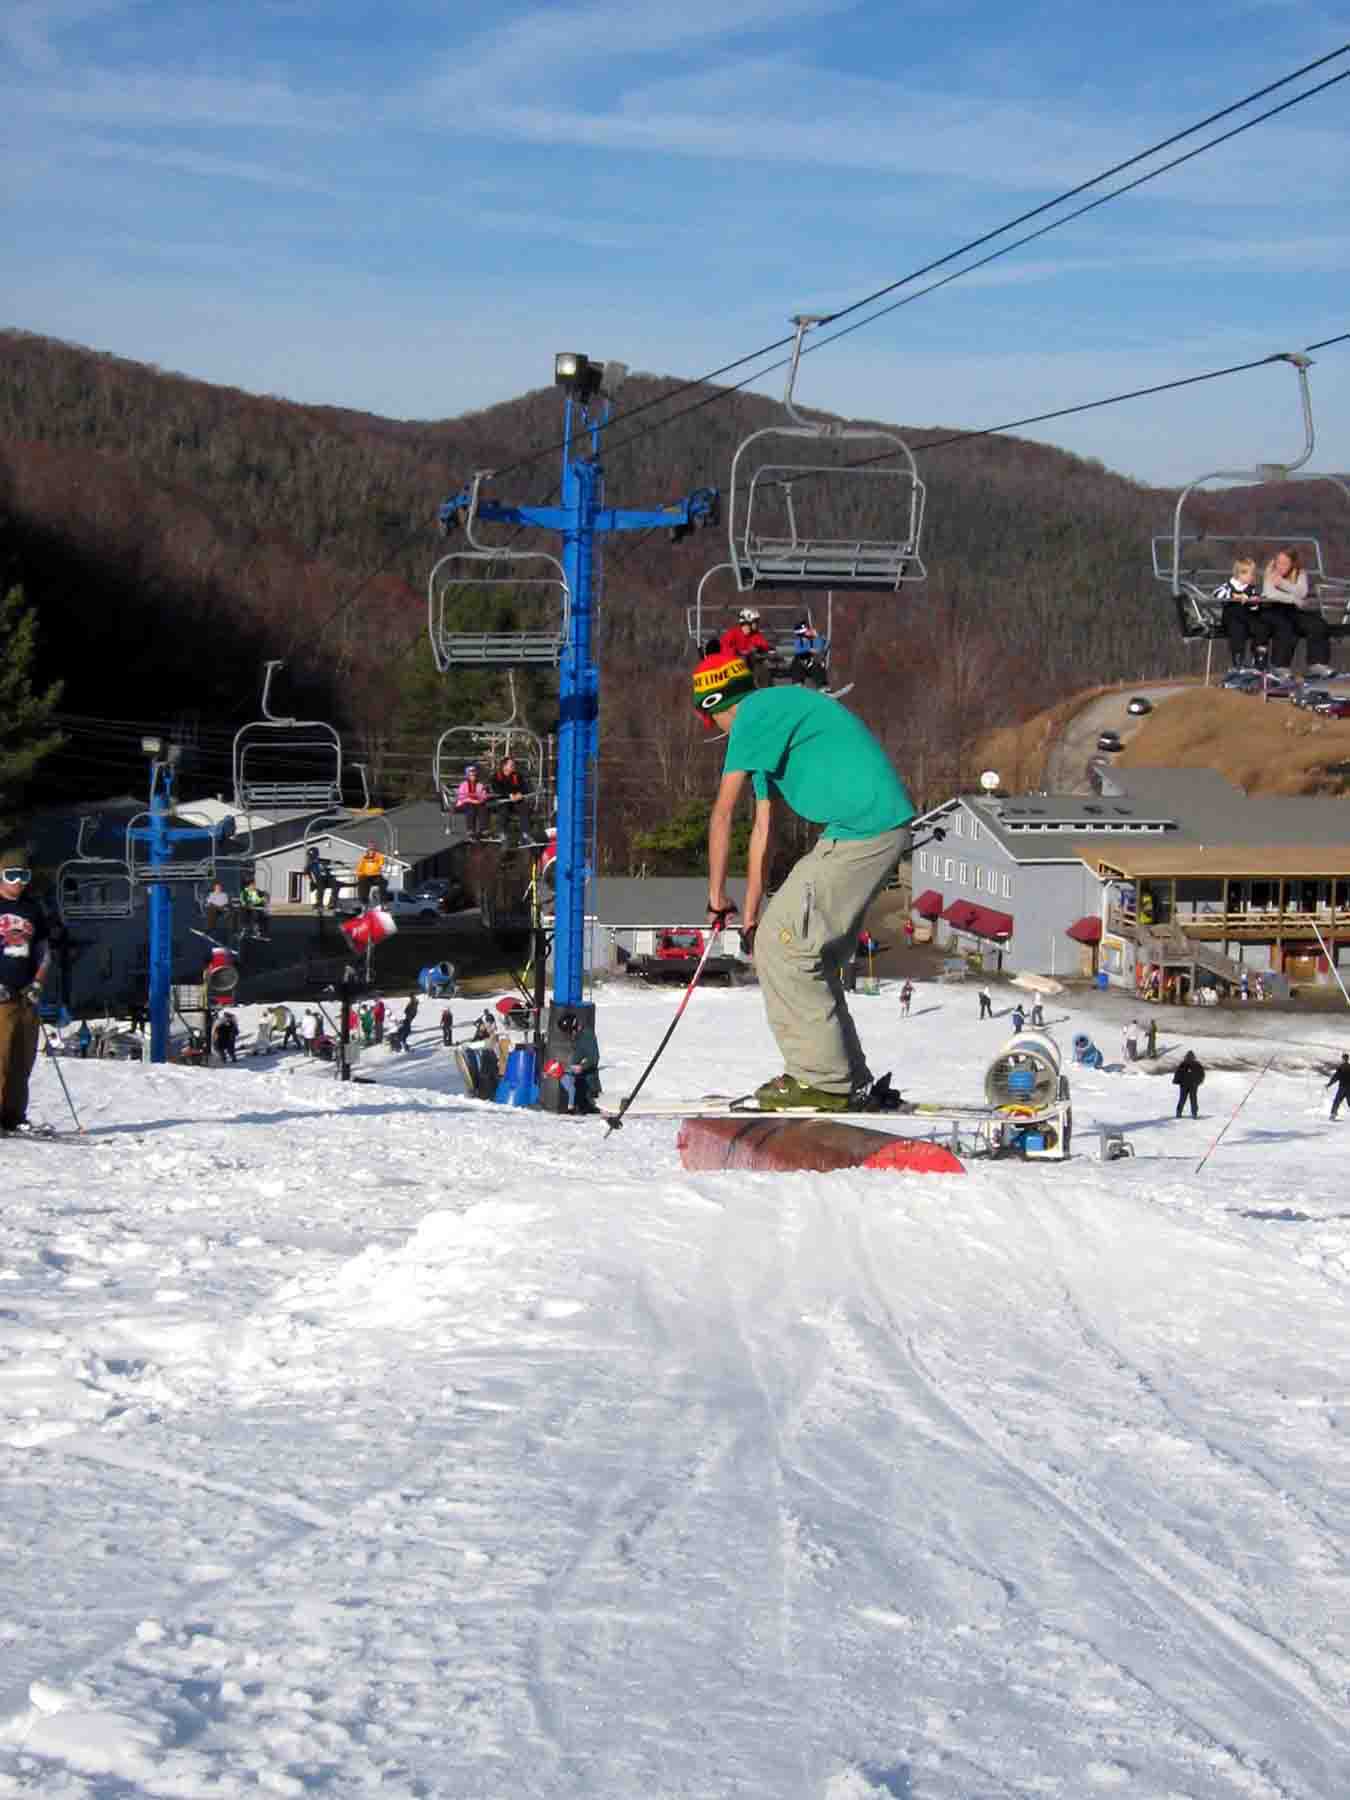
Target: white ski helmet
[(749, 616)]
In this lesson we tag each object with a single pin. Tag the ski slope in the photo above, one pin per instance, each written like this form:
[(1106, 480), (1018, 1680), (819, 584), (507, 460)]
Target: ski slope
[(369, 1441)]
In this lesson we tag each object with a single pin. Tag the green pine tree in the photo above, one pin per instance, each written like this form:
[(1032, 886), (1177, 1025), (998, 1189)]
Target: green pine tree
[(27, 736)]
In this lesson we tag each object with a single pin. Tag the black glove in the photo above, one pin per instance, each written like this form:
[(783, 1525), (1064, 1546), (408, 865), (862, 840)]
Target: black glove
[(748, 940), (720, 915)]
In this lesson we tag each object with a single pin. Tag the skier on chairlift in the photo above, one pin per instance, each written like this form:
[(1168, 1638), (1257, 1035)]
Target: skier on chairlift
[(746, 639)]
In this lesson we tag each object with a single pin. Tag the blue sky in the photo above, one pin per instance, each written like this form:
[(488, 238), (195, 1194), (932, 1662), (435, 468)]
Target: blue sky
[(408, 207)]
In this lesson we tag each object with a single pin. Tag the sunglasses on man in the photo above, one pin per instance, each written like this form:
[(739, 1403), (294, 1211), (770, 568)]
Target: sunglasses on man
[(16, 875)]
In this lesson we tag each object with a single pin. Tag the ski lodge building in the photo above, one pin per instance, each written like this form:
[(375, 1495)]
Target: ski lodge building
[(1169, 882)]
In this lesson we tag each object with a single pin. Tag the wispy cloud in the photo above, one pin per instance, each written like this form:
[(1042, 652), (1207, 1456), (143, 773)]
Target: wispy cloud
[(196, 162), (29, 29)]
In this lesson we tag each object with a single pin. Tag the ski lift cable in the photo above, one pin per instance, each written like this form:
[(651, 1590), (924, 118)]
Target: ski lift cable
[(964, 249), (1077, 213), (633, 412), (982, 262), (1166, 144), (960, 437)]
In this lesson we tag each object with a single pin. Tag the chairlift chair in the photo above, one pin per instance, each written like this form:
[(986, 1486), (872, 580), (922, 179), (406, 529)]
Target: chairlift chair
[(710, 616), (785, 517), (280, 761), (479, 571), (94, 887), (1194, 563)]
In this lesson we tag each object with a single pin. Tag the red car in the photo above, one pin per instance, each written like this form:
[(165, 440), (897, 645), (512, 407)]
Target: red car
[(1334, 709), (679, 946)]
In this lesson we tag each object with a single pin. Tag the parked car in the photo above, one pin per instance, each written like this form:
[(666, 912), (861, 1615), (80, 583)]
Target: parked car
[(1243, 681), (1313, 697), (1109, 740), (441, 891), (404, 908), (1277, 688), (1139, 706), (1335, 709)]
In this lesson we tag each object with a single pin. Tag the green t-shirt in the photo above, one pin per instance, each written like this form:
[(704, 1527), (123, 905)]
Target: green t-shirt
[(824, 762)]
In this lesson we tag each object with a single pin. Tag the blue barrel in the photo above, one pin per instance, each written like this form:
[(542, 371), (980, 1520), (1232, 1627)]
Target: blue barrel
[(1021, 1081), (1102, 979), (520, 1085)]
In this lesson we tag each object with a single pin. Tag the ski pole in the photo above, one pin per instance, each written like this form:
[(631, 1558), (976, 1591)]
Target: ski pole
[(51, 1058), (719, 922), (1232, 1115)]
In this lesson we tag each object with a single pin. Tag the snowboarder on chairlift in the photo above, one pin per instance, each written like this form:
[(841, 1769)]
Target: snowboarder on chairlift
[(745, 638), (809, 650), (370, 876)]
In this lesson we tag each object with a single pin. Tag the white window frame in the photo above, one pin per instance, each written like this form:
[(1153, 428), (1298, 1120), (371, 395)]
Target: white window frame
[(974, 829), (963, 875), (948, 868), (921, 858), (1007, 887), (979, 879)]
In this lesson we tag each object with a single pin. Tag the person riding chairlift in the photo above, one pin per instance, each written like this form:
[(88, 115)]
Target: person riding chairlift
[(746, 639)]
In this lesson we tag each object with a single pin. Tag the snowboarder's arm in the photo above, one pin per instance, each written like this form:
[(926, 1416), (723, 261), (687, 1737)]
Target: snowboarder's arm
[(719, 838), (757, 861)]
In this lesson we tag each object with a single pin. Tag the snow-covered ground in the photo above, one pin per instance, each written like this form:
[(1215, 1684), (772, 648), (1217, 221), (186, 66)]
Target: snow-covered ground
[(368, 1440)]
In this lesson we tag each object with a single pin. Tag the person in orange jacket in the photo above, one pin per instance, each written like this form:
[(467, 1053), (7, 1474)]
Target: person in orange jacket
[(370, 877)]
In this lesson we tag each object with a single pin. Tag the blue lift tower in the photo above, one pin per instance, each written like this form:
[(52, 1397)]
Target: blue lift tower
[(579, 518), (161, 856)]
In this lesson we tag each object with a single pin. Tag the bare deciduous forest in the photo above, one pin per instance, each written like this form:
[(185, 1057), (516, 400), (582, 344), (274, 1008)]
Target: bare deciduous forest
[(172, 536)]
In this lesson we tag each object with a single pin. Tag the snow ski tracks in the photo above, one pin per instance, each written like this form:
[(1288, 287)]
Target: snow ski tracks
[(1181, 1631)]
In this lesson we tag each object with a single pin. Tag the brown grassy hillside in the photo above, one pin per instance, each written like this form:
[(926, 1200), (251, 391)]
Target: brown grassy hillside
[(1264, 747)]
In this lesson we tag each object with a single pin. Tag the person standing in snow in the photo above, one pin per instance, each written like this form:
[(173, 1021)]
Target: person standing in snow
[(399, 1039), (1151, 1042), (906, 997), (309, 1031), (447, 1027), (226, 1037), (1129, 1040), (1188, 1075), (581, 1063), (1340, 1080), (23, 969), (377, 1014), (986, 1003), (798, 745), (1019, 1019)]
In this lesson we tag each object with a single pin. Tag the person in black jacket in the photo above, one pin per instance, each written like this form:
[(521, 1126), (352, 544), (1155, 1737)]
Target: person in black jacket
[(23, 969), (1340, 1080), (1188, 1075), (226, 1037)]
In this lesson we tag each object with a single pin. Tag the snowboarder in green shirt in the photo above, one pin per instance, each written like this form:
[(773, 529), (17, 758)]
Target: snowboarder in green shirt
[(803, 747)]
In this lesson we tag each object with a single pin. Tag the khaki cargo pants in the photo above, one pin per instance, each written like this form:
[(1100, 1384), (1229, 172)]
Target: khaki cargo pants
[(806, 934), (18, 1053)]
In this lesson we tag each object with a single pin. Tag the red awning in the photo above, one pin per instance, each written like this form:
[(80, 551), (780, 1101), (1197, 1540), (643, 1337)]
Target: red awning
[(929, 904), (960, 913), (991, 924), (1086, 931)]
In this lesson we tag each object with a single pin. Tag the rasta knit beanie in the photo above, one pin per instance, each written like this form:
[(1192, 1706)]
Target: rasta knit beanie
[(721, 680)]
